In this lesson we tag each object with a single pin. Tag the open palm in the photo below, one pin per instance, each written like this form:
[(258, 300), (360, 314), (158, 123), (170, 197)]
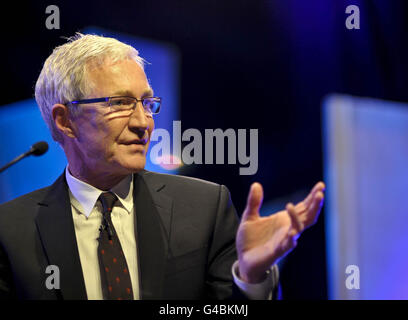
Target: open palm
[(262, 241)]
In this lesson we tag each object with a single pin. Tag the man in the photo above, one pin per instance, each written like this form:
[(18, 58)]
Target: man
[(116, 231)]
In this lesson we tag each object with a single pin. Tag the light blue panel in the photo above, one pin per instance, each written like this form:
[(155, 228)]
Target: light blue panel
[(366, 171), (163, 72), (21, 125)]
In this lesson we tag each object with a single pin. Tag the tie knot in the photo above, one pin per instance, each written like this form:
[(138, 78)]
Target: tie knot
[(108, 200)]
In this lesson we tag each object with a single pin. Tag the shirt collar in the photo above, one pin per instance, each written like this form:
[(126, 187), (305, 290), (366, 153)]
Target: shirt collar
[(85, 196)]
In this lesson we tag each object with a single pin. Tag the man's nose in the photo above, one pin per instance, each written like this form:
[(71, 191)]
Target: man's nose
[(138, 121)]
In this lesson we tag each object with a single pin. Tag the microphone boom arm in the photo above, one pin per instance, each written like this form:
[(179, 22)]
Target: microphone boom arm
[(37, 149), (21, 156)]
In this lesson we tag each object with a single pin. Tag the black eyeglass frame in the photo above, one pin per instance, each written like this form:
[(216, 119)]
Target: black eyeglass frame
[(107, 99)]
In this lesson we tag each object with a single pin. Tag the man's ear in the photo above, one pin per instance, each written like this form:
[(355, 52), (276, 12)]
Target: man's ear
[(60, 114)]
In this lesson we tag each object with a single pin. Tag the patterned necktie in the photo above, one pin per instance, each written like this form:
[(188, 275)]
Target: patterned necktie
[(116, 284)]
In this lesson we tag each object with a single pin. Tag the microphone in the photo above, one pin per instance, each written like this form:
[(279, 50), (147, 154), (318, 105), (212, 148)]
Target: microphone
[(37, 149)]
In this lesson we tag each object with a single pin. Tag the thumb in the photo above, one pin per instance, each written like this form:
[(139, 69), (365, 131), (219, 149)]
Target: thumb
[(254, 201)]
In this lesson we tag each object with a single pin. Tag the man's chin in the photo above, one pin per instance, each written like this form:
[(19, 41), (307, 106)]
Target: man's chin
[(134, 165)]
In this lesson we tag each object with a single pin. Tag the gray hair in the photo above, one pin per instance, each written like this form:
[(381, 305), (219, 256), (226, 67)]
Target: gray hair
[(63, 76)]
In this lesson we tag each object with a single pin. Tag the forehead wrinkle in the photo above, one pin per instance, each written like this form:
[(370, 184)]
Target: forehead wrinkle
[(112, 81)]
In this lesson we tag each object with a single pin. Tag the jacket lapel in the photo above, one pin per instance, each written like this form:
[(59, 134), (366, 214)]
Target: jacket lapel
[(57, 234), (153, 212), (152, 228)]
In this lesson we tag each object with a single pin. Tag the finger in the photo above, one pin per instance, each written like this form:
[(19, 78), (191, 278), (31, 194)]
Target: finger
[(254, 201), (320, 186), (315, 207), (296, 226), (300, 208)]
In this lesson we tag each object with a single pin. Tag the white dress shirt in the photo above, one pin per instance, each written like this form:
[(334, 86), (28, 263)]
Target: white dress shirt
[(87, 217)]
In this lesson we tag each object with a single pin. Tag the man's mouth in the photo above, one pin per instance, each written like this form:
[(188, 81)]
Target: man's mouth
[(136, 141)]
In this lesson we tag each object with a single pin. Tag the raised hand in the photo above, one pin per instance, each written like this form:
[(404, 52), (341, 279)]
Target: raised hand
[(262, 241)]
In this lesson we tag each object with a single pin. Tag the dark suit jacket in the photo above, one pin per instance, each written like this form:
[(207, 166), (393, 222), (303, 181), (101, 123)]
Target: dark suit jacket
[(185, 230)]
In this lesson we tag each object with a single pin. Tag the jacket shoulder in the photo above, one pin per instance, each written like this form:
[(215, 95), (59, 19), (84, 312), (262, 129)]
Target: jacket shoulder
[(30, 200), (179, 182), (192, 191), (26, 199)]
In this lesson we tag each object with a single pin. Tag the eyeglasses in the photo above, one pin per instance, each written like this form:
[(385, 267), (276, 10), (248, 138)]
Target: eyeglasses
[(151, 105)]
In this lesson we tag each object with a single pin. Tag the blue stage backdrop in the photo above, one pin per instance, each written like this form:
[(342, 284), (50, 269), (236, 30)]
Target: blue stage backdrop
[(21, 123)]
